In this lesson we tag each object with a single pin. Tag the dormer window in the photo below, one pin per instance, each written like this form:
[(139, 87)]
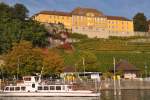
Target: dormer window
[(90, 14)]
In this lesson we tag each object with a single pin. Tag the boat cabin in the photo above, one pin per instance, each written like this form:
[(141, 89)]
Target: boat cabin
[(32, 84)]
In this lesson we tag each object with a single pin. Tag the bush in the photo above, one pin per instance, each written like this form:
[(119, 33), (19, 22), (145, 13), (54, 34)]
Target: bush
[(78, 36)]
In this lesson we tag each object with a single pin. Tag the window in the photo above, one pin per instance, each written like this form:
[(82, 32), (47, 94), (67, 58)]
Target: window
[(45, 87), (7, 88), (39, 87), (11, 88), (33, 85), (23, 88), (17, 88), (58, 87), (27, 79), (52, 88)]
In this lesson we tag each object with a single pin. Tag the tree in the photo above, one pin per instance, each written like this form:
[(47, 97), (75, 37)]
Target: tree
[(23, 59), (52, 63), (140, 22), (14, 28), (88, 61), (20, 11)]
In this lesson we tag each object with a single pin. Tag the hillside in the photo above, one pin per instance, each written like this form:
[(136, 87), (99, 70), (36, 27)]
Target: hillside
[(133, 49)]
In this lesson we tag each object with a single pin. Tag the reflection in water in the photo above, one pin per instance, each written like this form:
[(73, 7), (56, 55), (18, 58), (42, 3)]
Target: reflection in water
[(127, 95), (105, 95), (48, 98)]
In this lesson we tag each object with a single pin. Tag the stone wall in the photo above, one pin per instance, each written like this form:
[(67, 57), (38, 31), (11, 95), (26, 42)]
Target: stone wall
[(125, 84), (101, 33)]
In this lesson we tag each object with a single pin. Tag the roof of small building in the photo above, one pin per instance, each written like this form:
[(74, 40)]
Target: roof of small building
[(125, 66), (69, 69), (117, 18), (83, 11)]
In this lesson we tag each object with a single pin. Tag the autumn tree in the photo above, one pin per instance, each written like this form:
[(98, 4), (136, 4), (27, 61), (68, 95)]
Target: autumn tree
[(23, 59), (52, 63)]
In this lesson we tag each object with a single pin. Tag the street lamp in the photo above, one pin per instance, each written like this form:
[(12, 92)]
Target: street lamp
[(83, 65)]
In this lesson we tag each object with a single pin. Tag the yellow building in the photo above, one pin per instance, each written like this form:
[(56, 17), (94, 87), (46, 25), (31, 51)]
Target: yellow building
[(119, 24), (88, 21), (54, 17)]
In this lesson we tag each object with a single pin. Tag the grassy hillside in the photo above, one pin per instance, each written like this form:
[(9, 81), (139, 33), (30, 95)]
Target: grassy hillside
[(138, 53)]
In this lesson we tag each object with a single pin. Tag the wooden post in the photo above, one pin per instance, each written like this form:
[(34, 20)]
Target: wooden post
[(115, 92), (0, 85)]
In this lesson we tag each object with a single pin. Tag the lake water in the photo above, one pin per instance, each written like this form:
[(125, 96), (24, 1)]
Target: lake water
[(106, 95)]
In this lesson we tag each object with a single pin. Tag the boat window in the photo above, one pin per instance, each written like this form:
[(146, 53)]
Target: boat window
[(69, 87), (23, 88), (17, 88), (39, 87), (45, 87), (58, 87), (63, 88), (36, 79), (33, 85), (7, 88), (11, 88), (52, 88), (27, 79)]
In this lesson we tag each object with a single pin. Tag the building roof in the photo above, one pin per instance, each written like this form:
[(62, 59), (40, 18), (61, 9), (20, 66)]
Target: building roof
[(55, 13), (124, 65), (69, 69), (117, 18), (84, 11)]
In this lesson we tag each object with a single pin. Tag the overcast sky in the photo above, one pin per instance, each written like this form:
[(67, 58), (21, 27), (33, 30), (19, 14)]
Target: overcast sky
[(126, 8)]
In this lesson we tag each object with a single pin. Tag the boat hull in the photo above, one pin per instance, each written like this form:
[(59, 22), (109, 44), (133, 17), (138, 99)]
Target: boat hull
[(49, 94)]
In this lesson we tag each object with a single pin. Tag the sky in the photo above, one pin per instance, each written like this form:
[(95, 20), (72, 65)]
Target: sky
[(126, 8)]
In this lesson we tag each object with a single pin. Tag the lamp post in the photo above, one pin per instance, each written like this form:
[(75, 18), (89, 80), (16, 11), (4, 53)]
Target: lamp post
[(18, 65), (83, 65), (145, 70)]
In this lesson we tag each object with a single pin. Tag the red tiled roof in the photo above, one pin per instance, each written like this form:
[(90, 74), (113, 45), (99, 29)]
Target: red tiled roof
[(84, 11), (55, 13), (69, 69), (125, 66), (117, 18)]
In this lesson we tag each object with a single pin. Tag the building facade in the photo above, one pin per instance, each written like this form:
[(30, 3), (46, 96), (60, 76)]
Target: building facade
[(88, 21)]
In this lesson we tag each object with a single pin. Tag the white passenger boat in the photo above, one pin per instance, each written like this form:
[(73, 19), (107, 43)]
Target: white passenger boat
[(32, 87)]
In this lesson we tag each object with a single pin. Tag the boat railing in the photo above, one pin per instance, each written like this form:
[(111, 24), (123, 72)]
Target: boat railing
[(88, 84)]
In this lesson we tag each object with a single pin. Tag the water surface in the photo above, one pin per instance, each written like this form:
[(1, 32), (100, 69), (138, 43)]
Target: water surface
[(105, 95)]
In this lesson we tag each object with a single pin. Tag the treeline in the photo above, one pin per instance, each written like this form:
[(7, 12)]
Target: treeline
[(15, 26), (22, 43)]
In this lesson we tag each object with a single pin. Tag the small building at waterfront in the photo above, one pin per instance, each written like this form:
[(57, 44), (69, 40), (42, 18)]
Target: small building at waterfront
[(126, 69), (71, 74)]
